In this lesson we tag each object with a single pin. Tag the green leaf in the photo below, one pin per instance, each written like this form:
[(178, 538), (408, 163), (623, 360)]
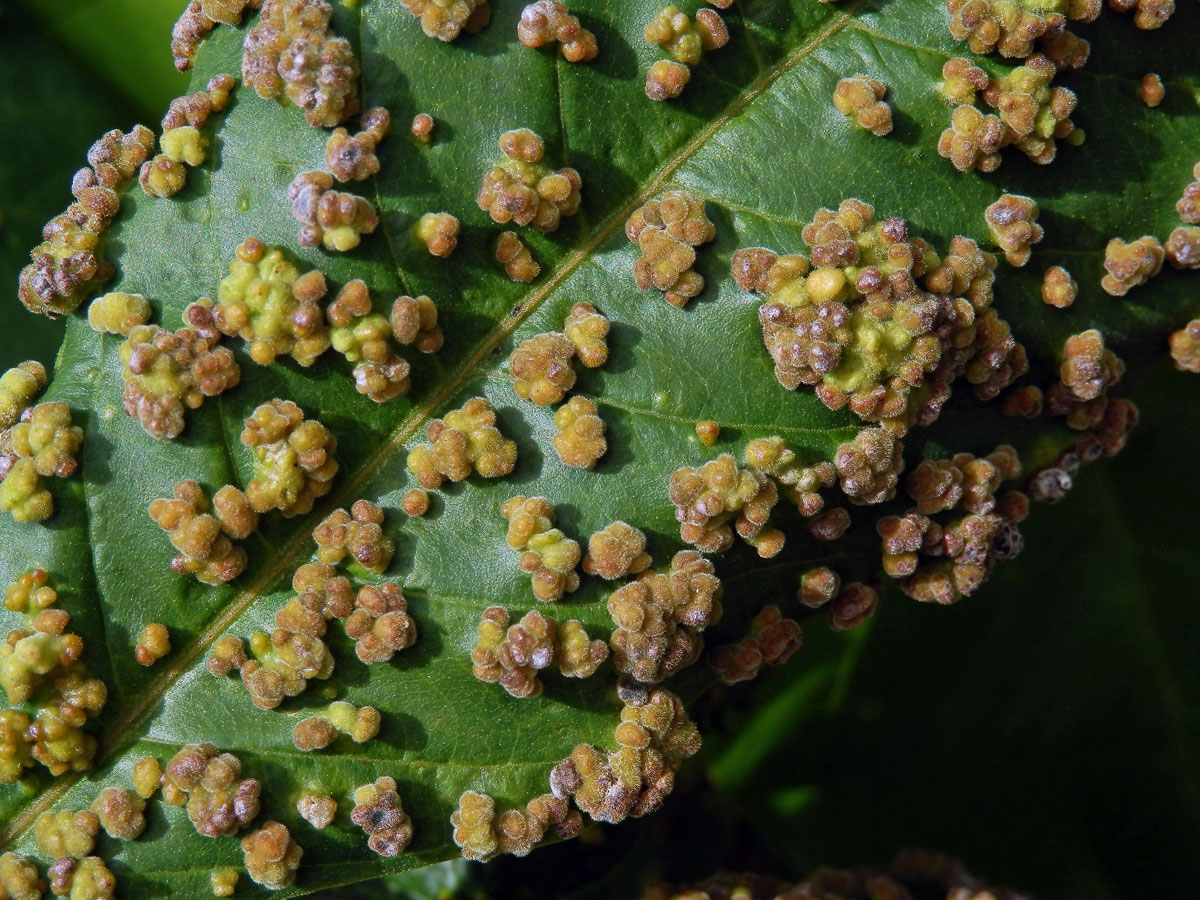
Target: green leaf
[(756, 135)]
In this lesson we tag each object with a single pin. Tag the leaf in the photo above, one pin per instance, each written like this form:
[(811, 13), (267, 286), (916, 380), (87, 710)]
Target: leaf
[(757, 136)]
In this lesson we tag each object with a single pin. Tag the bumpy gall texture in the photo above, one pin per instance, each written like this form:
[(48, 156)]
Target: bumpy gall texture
[(521, 188), (518, 262), (153, 644), (548, 21), (549, 555), (198, 19), (414, 321), (352, 158), (290, 51), (446, 19), (1130, 265), (659, 617), (335, 220), (356, 536), (68, 265), (219, 801), (865, 333), (580, 441), (267, 302), (118, 313), (512, 655), (378, 812), (709, 498), (294, 458), (270, 855), (666, 231), (861, 98), (541, 368), (464, 441), (617, 551), (166, 373), (1013, 222), (380, 625), (120, 812), (203, 532), (588, 330), (1059, 288)]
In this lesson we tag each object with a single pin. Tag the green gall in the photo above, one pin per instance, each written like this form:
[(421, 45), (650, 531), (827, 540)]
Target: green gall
[(18, 388), (294, 458), (267, 302), (118, 313)]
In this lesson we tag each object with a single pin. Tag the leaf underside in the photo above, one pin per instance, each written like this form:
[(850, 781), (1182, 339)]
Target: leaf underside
[(757, 136)]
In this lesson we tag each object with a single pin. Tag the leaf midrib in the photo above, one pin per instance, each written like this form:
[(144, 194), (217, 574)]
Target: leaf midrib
[(114, 736)]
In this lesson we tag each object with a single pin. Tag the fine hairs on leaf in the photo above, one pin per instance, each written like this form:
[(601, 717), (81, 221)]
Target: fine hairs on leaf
[(378, 508)]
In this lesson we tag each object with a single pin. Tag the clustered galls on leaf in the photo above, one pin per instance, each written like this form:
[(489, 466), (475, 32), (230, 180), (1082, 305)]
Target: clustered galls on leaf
[(465, 440), (267, 302), (711, 497), (377, 810), (667, 231), (1128, 265), (203, 531), (942, 561), (1031, 114), (446, 19), (290, 51), (523, 189), (1011, 27), (36, 441), (580, 441), (294, 458), (653, 737), (271, 855), (548, 555), (318, 731), (182, 144), (481, 834), (518, 262), (167, 373), (335, 220), (352, 158), (209, 783), (617, 551), (685, 40), (877, 321), (549, 21), (659, 617), (773, 639), (1012, 221), (861, 98), (68, 265), (51, 694), (199, 18), (541, 368)]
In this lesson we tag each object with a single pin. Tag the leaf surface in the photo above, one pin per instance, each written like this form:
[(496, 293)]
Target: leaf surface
[(757, 136)]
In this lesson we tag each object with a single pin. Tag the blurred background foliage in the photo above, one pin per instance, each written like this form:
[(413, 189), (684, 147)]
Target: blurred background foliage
[(1046, 730)]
